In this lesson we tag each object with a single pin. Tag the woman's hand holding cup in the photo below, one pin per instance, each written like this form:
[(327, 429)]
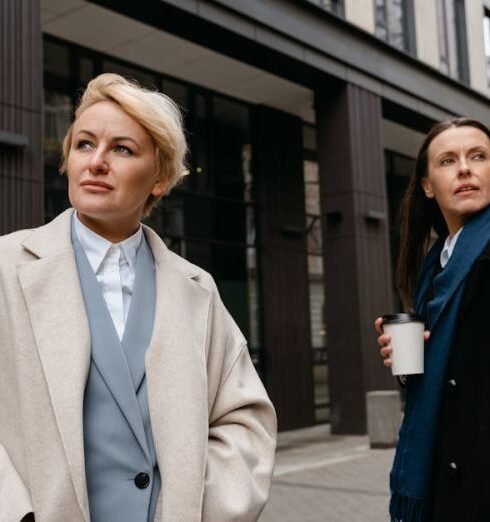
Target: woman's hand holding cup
[(384, 341)]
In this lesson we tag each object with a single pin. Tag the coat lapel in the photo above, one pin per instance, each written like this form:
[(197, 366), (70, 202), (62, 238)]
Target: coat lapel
[(470, 244), (54, 301), (177, 383)]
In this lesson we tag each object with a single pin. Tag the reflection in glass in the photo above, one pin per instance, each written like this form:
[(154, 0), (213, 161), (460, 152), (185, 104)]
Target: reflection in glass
[(316, 289), (312, 187), (143, 78), (318, 335), (398, 170), (254, 343), (231, 148), (390, 22), (314, 234), (201, 176), (486, 35), (334, 6), (57, 117), (309, 137), (86, 70), (178, 92), (56, 59)]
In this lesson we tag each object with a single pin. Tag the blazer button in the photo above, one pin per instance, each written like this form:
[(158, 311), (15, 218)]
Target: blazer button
[(142, 480)]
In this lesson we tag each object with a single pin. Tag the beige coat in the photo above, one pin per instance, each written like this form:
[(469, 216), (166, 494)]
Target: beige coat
[(213, 424)]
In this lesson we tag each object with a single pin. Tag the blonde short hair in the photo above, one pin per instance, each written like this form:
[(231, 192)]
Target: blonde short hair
[(154, 111)]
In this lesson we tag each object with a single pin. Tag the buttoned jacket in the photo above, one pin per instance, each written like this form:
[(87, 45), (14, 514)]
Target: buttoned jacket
[(212, 422)]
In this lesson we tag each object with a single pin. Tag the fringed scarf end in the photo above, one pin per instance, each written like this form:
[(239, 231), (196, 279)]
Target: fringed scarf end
[(406, 509)]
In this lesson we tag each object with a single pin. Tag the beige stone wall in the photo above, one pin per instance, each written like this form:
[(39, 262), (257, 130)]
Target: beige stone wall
[(426, 32), (360, 13), (476, 45)]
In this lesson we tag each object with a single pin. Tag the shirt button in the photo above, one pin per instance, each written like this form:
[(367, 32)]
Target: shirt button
[(142, 480), (452, 469)]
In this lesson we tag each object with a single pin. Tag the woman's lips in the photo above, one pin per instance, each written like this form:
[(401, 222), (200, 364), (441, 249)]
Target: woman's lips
[(466, 189), (96, 186)]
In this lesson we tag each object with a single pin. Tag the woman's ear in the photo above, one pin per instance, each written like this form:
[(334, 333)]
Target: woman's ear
[(160, 188), (427, 187)]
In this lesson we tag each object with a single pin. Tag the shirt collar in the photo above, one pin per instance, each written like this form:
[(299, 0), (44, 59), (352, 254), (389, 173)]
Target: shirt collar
[(96, 247), (448, 248)]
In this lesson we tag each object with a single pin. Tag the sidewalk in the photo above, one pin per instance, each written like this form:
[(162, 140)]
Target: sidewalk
[(321, 477)]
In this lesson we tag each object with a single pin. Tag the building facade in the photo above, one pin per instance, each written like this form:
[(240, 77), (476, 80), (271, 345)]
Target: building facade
[(303, 119)]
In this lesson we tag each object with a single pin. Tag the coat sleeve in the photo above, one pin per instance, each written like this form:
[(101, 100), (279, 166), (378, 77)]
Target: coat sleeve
[(15, 502), (241, 446)]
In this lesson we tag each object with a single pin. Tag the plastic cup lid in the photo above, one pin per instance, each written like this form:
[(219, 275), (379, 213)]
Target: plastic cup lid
[(402, 318)]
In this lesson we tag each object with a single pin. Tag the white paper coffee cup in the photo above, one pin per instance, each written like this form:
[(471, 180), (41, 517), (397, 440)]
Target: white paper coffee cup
[(407, 341)]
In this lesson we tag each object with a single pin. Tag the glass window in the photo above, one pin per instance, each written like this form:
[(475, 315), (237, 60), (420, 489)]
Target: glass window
[(316, 288), (486, 35), (398, 171), (57, 118), (309, 138), (393, 21), (86, 70), (178, 92), (143, 78), (231, 149), (201, 178), (334, 6), (56, 59), (453, 48)]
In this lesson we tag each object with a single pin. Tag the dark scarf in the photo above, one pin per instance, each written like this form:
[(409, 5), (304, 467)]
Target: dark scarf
[(412, 468)]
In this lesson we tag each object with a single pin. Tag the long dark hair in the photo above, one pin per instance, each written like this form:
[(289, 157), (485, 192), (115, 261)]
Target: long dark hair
[(419, 214)]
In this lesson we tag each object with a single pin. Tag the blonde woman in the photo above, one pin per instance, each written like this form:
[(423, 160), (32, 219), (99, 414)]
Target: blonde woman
[(126, 389)]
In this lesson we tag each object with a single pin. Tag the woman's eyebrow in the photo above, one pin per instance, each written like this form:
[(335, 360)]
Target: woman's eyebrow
[(477, 147), (126, 138), (451, 151), (445, 153)]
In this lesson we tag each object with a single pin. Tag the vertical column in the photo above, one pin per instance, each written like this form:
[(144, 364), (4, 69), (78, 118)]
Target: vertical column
[(21, 165), (356, 254), (278, 171)]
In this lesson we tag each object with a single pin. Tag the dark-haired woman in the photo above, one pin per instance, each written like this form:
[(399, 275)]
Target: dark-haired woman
[(441, 471)]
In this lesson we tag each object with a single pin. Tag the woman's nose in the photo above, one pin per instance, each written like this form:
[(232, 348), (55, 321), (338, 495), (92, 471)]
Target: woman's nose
[(464, 168), (98, 162)]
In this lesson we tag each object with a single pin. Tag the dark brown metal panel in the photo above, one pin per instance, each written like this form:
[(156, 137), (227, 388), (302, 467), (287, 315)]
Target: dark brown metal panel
[(356, 256), (365, 130), (21, 168), (278, 168)]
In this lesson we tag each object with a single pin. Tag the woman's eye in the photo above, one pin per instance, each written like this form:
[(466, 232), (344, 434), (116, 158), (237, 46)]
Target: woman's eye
[(84, 144), (447, 161), (479, 156), (123, 149)]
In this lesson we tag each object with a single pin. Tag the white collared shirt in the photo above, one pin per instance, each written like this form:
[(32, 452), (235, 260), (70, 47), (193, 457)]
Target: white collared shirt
[(114, 267), (448, 248)]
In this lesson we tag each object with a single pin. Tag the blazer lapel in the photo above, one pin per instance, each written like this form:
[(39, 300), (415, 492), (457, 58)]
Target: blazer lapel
[(107, 351), (141, 316), (177, 383), (55, 305)]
